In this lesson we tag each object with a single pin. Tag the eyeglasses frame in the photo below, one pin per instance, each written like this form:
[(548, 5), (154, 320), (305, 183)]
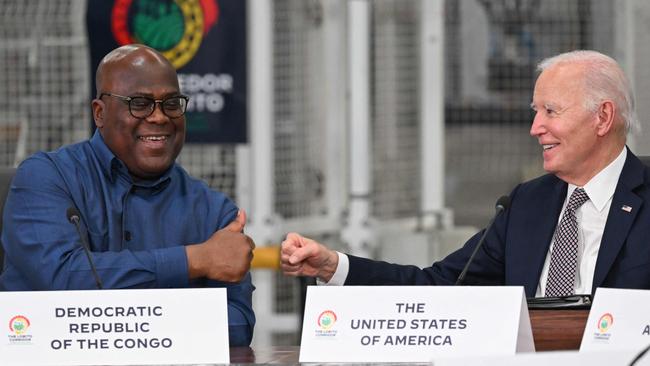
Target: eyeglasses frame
[(128, 100)]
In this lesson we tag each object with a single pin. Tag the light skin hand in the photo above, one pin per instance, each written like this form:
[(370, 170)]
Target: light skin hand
[(301, 256), (225, 256)]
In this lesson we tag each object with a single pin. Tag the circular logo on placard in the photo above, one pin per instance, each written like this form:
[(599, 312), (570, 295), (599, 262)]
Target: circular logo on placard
[(605, 322), (326, 319), (19, 324), (176, 28)]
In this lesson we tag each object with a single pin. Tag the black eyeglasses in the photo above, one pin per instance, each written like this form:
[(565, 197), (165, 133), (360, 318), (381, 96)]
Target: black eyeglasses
[(143, 107)]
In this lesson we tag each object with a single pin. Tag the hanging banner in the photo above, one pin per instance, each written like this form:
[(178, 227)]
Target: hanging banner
[(205, 40)]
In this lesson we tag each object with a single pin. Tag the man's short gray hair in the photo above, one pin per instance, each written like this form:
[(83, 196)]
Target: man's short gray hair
[(604, 80)]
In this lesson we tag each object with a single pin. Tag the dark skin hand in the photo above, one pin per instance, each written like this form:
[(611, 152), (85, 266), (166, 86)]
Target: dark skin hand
[(225, 256)]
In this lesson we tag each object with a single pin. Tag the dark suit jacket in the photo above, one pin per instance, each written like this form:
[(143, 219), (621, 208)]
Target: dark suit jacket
[(516, 247)]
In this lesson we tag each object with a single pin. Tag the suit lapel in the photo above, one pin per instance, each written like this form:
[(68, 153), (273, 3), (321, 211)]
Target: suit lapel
[(625, 206), (546, 215)]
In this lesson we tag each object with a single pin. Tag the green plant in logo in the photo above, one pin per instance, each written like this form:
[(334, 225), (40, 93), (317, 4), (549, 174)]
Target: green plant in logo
[(158, 24), (19, 327), (326, 321)]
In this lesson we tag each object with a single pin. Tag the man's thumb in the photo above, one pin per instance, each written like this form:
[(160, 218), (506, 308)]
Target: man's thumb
[(237, 225), (301, 254)]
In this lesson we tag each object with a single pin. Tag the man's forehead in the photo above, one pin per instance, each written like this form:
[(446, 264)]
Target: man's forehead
[(147, 83), (140, 69), (559, 80), (129, 60), (565, 74)]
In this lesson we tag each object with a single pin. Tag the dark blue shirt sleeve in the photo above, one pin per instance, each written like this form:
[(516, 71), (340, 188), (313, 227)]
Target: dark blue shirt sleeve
[(38, 237), (241, 318)]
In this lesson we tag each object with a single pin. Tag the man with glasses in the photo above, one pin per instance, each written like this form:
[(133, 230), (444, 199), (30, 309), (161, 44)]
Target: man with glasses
[(147, 222)]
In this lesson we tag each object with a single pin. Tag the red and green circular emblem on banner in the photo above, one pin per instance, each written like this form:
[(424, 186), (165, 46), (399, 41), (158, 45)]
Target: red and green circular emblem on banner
[(174, 27)]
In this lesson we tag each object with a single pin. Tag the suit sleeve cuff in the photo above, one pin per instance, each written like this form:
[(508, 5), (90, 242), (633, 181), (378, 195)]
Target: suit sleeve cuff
[(341, 274)]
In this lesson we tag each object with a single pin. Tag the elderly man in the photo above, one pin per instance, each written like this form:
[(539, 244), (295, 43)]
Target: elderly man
[(148, 223), (582, 226)]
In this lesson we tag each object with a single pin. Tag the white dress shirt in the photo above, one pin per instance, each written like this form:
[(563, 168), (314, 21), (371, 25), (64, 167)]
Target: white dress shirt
[(592, 216)]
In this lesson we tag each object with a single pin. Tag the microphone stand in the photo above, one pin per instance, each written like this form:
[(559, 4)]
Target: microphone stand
[(502, 203), (73, 217)]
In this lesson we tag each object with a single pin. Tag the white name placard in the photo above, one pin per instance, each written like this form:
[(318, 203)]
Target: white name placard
[(618, 320), (116, 327), (413, 323)]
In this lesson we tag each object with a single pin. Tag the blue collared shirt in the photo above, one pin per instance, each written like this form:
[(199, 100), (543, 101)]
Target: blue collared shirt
[(137, 230)]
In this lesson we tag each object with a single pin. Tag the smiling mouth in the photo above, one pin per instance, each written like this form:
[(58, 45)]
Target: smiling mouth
[(153, 138), (547, 147)]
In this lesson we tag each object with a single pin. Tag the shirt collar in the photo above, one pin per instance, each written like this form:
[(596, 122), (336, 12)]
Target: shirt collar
[(602, 186), (112, 166), (107, 160)]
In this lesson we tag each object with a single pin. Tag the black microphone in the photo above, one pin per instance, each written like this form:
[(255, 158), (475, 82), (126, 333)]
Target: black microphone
[(502, 204), (74, 217)]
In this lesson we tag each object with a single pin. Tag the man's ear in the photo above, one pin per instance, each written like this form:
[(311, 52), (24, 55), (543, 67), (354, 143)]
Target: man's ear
[(606, 113), (98, 112)]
